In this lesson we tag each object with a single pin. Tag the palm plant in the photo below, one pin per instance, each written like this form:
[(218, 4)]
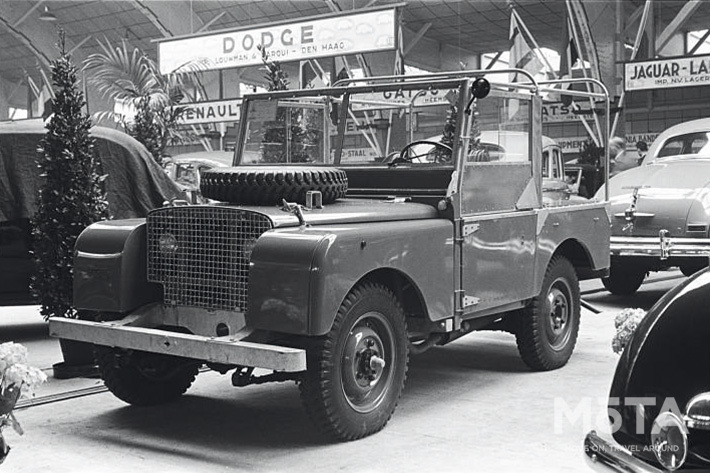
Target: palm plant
[(130, 76)]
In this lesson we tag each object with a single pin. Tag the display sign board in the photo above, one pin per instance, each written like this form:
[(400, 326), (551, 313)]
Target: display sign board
[(332, 35), (633, 138), (572, 144), (402, 99), (358, 155), (667, 73), (211, 112)]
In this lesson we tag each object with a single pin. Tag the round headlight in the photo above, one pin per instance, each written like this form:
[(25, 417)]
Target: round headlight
[(669, 437), (697, 412), (167, 244)]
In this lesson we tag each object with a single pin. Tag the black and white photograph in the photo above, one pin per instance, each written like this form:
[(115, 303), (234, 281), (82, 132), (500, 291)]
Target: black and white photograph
[(363, 236)]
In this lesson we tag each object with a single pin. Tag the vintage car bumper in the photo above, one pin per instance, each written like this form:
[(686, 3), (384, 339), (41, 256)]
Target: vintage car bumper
[(662, 246), (604, 454), (229, 350)]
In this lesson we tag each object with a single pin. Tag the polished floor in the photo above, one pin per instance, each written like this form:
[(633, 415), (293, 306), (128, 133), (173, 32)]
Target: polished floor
[(470, 406)]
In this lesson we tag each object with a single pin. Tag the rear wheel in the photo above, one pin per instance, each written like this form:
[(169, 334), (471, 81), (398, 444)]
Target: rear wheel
[(142, 378), (547, 328), (623, 279), (356, 372), (692, 267)]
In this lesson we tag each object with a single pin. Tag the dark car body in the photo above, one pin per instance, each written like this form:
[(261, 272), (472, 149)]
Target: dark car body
[(665, 364), (135, 185)]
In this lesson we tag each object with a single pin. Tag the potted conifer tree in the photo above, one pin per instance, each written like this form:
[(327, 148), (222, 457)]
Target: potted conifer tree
[(71, 197)]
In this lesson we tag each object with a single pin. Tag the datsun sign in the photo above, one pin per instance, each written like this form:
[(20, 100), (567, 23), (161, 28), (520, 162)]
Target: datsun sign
[(323, 36), (666, 73)]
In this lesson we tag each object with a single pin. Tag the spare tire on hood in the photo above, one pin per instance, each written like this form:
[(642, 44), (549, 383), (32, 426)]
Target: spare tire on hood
[(269, 185)]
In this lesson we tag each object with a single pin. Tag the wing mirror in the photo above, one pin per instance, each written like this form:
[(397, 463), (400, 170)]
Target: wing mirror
[(697, 412)]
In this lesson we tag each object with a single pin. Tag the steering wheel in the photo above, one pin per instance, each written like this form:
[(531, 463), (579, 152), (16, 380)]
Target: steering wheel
[(407, 155)]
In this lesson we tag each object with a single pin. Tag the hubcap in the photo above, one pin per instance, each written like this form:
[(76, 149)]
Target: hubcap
[(366, 365), (559, 312)]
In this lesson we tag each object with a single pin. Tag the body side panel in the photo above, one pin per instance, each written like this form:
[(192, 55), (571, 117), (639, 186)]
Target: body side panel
[(298, 287)]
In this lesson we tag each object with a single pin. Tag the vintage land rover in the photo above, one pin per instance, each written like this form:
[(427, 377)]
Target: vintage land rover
[(342, 242)]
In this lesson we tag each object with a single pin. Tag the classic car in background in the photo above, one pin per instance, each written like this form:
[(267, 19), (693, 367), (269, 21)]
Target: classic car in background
[(186, 170), (496, 146), (659, 402), (660, 211), (135, 185)]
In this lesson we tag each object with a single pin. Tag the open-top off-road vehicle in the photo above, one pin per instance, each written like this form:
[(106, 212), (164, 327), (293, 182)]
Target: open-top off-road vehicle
[(346, 239)]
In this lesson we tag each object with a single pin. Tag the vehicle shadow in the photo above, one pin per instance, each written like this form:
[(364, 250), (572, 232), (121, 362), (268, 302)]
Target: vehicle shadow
[(25, 332), (218, 423), (644, 299)]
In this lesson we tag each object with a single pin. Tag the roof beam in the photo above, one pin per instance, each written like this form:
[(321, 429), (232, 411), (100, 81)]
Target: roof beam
[(211, 22), (39, 44), (700, 42), (420, 34), (19, 21), (170, 18), (677, 23)]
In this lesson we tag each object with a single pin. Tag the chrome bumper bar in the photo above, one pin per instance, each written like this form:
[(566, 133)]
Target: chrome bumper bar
[(662, 246), (607, 455), (229, 350)]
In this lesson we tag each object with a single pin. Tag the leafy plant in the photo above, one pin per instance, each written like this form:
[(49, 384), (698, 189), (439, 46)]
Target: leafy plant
[(133, 77), (591, 153), (71, 196), (296, 121)]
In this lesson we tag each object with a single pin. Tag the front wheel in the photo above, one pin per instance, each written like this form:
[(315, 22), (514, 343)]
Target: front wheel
[(547, 329), (144, 379), (356, 372)]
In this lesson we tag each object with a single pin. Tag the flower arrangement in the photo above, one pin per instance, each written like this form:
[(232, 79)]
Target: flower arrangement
[(17, 380), (626, 323)]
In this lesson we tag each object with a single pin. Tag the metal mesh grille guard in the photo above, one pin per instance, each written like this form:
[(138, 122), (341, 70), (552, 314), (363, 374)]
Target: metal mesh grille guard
[(201, 254)]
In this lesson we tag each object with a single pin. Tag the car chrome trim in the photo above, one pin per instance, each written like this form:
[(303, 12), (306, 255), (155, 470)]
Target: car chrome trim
[(606, 455), (656, 247), (229, 350)]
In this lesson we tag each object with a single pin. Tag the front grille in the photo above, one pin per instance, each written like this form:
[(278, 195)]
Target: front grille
[(201, 254)]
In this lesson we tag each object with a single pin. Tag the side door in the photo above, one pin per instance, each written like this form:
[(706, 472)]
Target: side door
[(498, 205)]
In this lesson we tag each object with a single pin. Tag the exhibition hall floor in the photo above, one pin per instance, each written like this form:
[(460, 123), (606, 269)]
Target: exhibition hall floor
[(470, 406)]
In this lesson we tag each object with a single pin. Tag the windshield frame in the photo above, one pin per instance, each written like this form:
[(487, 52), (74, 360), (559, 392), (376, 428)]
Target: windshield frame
[(341, 96)]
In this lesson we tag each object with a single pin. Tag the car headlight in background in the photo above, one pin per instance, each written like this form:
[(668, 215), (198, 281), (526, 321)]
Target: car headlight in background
[(697, 412), (669, 438)]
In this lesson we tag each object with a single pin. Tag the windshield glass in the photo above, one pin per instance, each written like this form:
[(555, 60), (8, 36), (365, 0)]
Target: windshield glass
[(288, 131), (397, 125), (379, 125), (689, 143)]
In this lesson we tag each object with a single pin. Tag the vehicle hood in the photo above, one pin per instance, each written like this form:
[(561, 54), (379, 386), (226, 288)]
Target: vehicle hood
[(346, 211), (670, 196)]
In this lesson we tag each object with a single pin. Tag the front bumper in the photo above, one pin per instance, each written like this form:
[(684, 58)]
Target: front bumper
[(228, 350), (662, 246), (606, 455)]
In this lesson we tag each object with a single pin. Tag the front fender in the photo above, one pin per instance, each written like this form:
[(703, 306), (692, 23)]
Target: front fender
[(300, 276), (668, 356), (110, 272)]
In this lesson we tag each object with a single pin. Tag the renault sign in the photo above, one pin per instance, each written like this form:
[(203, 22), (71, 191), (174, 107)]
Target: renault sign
[(322, 36), (210, 112)]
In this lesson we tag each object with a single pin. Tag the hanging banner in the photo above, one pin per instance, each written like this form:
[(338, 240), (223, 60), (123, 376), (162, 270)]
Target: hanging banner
[(667, 73), (211, 112), (322, 36)]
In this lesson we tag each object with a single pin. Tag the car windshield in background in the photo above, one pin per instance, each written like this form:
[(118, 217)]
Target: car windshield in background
[(695, 144)]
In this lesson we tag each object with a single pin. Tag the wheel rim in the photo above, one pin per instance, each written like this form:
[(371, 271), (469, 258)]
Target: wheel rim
[(367, 362), (559, 314)]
